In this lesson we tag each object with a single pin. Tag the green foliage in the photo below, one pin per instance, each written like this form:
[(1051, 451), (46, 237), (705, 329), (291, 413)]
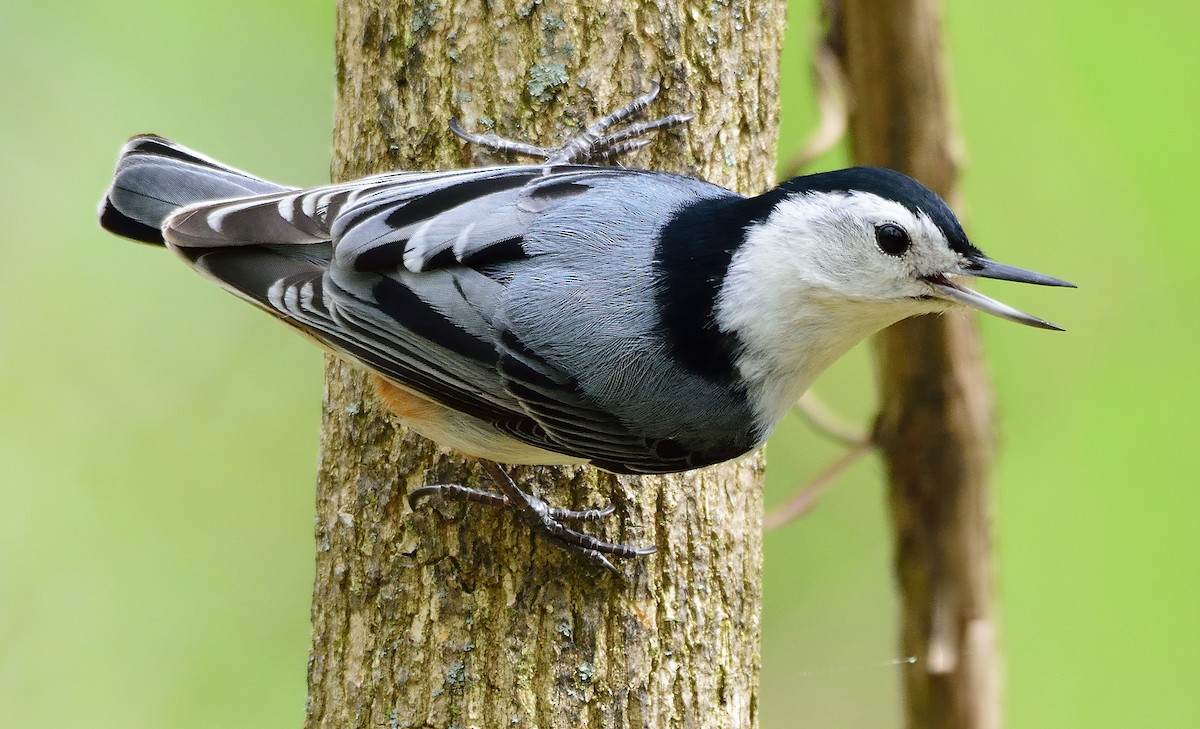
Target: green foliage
[(157, 437)]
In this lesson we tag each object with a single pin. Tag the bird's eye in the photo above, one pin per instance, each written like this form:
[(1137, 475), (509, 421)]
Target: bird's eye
[(892, 239)]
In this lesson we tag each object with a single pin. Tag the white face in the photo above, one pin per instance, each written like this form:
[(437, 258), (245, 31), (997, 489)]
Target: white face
[(859, 246), (826, 270), (814, 279)]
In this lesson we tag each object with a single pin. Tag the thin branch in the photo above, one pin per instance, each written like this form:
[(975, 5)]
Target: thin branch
[(806, 497), (832, 109), (825, 421)]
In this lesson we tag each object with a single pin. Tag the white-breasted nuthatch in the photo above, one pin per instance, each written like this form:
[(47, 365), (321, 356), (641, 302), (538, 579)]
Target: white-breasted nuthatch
[(557, 313)]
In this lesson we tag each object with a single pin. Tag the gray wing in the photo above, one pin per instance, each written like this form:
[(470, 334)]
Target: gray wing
[(434, 280)]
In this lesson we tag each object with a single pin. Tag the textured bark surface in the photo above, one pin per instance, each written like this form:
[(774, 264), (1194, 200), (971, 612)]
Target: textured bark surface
[(455, 616), (935, 427)]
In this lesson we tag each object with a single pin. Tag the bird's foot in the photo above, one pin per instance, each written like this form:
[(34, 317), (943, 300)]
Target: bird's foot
[(592, 143), (546, 521)]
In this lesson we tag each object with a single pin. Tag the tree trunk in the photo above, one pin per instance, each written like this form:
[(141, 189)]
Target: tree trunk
[(935, 427), (455, 615)]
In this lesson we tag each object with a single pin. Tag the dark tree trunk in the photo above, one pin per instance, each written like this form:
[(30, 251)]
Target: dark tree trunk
[(935, 427)]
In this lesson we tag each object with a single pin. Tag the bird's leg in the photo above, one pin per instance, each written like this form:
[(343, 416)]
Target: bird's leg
[(497, 143), (590, 144), (457, 492), (544, 520)]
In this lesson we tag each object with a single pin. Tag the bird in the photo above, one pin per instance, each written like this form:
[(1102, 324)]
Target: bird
[(559, 312)]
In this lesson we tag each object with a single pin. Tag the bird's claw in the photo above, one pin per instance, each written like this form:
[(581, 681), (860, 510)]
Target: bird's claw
[(590, 144), (546, 521)]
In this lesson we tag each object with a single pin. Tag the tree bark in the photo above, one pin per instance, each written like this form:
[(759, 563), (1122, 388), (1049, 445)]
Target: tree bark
[(455, 615), (935, 427)]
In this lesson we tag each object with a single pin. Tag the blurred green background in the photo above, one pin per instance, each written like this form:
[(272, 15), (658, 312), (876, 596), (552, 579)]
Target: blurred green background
[(158, 437)]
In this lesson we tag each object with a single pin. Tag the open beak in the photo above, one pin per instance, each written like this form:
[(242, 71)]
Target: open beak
[(986, 268)]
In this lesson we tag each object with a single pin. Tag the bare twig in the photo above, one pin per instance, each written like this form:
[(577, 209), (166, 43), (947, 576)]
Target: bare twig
[(823, 420), (806, 497), (832, 111)]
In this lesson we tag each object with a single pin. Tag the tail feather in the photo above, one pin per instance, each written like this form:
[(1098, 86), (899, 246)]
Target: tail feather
[(156, 177)]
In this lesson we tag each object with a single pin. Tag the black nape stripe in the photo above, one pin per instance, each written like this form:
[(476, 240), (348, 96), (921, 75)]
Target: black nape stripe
[(692, 257)]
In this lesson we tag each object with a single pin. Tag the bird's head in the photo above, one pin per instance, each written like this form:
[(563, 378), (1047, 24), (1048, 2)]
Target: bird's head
[(879, 240)]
